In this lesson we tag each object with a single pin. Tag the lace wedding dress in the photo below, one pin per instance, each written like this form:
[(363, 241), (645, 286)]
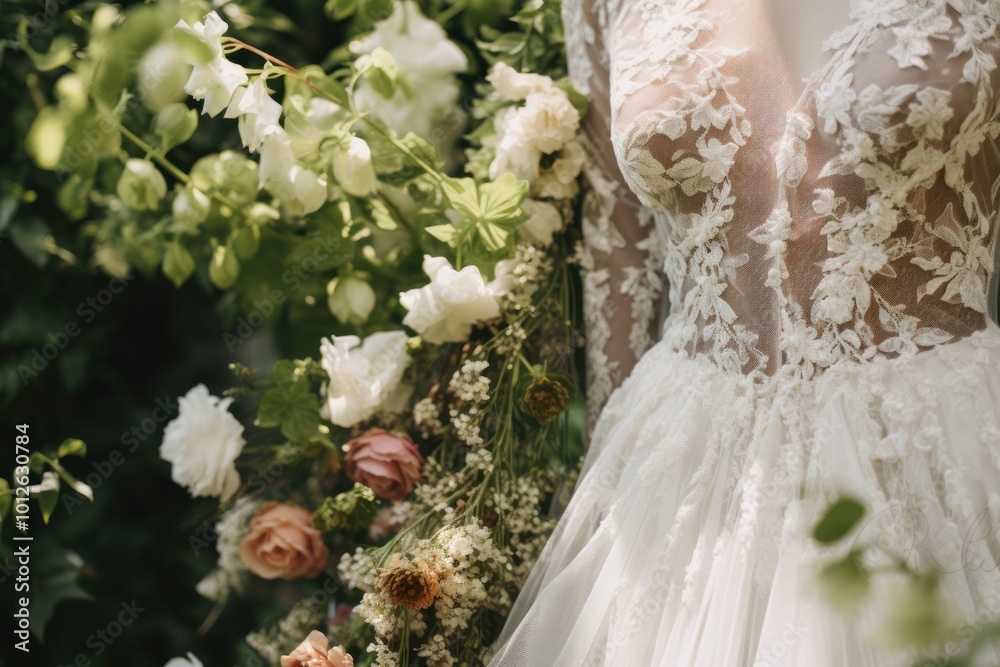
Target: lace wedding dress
[(829, 257)]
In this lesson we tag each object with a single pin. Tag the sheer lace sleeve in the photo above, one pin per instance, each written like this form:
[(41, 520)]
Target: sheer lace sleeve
[(621, 256)]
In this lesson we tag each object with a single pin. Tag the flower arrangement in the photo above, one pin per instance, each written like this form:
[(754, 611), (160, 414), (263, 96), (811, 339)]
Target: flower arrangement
[(424, 247)]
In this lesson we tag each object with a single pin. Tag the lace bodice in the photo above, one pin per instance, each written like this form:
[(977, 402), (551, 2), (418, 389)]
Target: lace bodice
[(854, 220)]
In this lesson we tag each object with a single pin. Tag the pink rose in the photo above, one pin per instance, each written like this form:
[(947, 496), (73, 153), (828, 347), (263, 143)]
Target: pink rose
[(389, 464), (282, 543), (312, 652)]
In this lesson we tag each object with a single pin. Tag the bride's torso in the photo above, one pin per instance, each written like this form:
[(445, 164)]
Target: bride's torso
[(847, 218)]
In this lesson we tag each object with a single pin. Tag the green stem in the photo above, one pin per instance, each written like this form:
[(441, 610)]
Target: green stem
[(151, 152), (175, 171)]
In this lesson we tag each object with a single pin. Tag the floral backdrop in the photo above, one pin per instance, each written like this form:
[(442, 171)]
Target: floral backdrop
[(316, 266), (291, 334)]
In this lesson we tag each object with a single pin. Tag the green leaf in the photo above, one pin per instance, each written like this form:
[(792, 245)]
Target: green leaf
[(493, 208), (47, 494), (838, 521), (383, 216), (845, 583), (174, 124), (224, 268), (246, 242), (57, 571), (338, 10), (72, 447), (283, 371), (445, 233), (60, 50), (178, 264), (46, 138), (294, 407), (78, 486)]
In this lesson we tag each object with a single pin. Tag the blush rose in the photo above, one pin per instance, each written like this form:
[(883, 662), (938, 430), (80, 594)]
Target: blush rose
[(282, 544), (388, 463)]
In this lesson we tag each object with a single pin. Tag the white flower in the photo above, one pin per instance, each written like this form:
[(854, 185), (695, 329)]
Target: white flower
[(544, 221), (515, 151), (307, 188), (310, 121), (276, 160), (549, 119), (202, 444), (834, 99), (216, 80), (258, 113), (719, 157), (426, 62), (514, 85), (363, 379), (350, 299), (302, 188), (189, 661), (353, 169), (445, 310), (930, 112), (546, 123)]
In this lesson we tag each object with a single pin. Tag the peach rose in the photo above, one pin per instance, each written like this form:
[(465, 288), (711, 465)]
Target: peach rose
[(312, 652), (389, 464), (282, 543)]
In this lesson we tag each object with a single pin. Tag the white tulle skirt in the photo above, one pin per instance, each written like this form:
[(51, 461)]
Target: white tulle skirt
[(687, 540)]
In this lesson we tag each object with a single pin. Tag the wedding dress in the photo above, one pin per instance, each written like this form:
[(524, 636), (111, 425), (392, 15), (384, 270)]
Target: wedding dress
[(831, 263)]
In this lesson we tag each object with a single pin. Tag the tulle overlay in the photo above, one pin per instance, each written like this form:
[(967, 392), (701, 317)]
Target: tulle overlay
[(687, 540)]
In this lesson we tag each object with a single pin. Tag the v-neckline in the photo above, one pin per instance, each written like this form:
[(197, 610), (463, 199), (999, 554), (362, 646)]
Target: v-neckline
[(850, 34), (800, 86)]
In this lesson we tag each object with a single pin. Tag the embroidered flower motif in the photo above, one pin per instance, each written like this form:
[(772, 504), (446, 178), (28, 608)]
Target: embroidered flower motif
[(835, 97), (965, 274), (930, 112)]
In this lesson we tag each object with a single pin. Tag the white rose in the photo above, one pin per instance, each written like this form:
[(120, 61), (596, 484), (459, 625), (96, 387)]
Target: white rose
[(202, 444), (544, 221), (216, 80), (189, 661), (426, 62), (549, 120), (445, 310), (559, 181), (514, 85), (363, 379), (353, 169), (515, 152)]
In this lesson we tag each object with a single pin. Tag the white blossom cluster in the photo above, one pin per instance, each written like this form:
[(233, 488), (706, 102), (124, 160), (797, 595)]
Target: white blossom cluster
[(230, 573), (466, 562), (282, 637), (522, 277), (527, 531), (472, 389), (427, 417)]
